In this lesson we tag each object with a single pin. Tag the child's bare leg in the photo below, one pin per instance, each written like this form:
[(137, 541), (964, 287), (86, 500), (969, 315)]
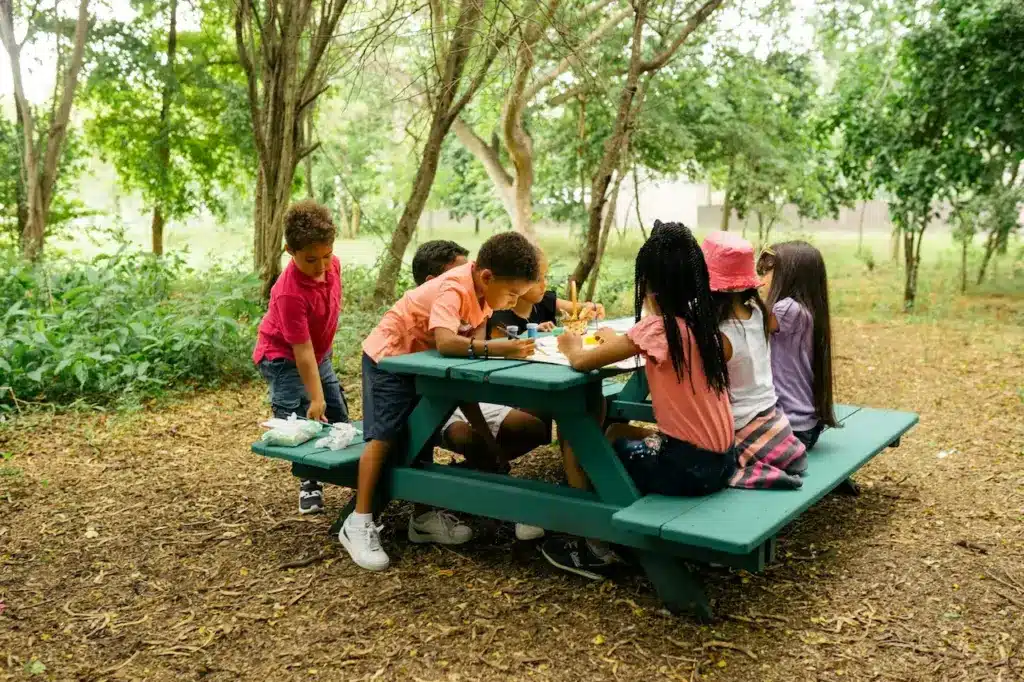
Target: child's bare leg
[(522, 432), (628, 431), (370, 464)]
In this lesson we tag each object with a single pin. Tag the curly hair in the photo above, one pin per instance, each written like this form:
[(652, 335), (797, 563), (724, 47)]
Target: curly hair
[(307, 223), (509, 255), (433, 257)]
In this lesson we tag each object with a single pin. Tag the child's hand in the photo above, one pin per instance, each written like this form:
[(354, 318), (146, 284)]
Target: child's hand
[(596, 308), (316, 410), (605, 334), (569, 343), (512, 348), (545, 326)]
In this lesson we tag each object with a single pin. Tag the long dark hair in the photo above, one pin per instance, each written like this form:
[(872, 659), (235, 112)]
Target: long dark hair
[(670, 266), (798, 272), (723, 305)]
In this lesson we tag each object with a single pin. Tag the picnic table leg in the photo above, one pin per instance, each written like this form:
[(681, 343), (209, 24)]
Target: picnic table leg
[(680, 588), (677, 586), (848, 487)]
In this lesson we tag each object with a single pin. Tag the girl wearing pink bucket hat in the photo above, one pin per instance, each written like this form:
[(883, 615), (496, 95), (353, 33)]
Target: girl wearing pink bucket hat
[(770, 456)]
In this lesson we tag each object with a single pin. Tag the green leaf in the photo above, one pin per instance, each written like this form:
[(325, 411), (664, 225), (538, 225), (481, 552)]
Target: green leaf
[(35, 667), (36, 375), (4, 365), (81, 373)]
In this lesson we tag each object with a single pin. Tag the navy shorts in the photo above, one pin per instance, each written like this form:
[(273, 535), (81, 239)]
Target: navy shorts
[(388, 401), (288, 393), (664, 465), (810, 436)]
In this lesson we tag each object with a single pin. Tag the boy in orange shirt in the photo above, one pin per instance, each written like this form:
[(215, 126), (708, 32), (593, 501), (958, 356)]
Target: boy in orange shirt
[(448, 313)]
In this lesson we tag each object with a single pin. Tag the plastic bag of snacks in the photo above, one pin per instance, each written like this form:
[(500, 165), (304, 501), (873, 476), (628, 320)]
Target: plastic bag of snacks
[(291, 431), (339, 438)]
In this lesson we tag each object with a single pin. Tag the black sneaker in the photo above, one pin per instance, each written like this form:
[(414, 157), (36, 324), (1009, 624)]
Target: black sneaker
[(311, 497), (574, 555)]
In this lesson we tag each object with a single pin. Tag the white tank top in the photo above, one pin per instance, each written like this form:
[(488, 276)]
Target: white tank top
[(751, 390)]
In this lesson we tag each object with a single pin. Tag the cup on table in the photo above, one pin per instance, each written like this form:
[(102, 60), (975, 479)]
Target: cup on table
[(531, 330), (512, 331)]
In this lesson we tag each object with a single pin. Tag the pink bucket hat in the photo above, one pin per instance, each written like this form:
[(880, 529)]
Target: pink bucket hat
[(730, 260)]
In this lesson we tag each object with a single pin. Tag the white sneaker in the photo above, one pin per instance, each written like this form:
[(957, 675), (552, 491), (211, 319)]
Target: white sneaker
[(439, 526), (362, 542), (526, 532)]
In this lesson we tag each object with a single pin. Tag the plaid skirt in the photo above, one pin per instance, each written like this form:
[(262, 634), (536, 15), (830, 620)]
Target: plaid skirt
[(769, 455)]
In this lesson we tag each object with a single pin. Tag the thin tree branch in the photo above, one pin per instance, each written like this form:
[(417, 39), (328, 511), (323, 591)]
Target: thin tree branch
[(244, 10), (568, 61), (695, 21)]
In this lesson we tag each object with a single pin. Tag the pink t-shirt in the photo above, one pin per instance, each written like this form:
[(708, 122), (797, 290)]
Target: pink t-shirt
[(689, 410), (301, 309), (446, 302)]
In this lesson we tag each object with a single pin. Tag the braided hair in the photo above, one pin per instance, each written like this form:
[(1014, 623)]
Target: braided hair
[(670, 267)]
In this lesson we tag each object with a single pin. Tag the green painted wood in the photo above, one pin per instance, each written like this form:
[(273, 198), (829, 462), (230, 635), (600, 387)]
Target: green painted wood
[(480, 372), (308, 452), (681, 589), (655, 515), (844, 411), (611, 388), (739, 520), (636, 390), (571, 399), (630, 411), (425, 421), (598, 459), (428, 363), (543, 376)]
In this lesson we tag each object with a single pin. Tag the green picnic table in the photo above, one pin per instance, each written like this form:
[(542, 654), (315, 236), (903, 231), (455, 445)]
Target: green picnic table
[(735, 528)]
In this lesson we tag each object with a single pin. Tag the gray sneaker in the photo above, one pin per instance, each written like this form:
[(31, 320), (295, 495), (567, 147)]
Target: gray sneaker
[(311, 497)]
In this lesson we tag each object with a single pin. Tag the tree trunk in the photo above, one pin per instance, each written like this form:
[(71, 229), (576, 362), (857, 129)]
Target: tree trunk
[(913, 235), (21, 188), (476, 224), (41, 158), (609, 220), (156, 228), (163, 142), (282, 55), (990, 247), (443, 116), (860, 227), (963, 264), (895, 243), (727, 201), (612, 148), (357, 216)]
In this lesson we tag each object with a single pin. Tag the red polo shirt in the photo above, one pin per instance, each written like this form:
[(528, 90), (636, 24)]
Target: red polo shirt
[(301, 309)]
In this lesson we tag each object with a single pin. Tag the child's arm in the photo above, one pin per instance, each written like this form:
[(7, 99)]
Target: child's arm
[(305, 360), (452, 345), (613, 348)]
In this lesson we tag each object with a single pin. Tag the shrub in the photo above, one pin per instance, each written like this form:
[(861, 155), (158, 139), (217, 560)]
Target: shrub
[(121, 328)]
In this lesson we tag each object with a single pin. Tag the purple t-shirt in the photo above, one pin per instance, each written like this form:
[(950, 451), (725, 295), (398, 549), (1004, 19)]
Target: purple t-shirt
[(792, 370)]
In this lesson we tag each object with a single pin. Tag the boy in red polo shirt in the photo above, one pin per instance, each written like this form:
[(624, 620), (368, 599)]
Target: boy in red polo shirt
[(293, 349)]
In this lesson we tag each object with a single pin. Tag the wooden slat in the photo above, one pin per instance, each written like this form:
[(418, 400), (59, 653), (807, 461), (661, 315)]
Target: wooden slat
[(428, 363), (309, 454), (739, 520)]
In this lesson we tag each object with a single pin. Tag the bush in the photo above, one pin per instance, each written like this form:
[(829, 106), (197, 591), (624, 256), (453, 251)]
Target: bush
[(121, 328)]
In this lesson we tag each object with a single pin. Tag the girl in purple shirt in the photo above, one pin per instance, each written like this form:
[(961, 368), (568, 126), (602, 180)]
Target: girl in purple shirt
[(795, 288)]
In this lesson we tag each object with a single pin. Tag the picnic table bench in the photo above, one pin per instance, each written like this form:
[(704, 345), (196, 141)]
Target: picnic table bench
[(735, 528)]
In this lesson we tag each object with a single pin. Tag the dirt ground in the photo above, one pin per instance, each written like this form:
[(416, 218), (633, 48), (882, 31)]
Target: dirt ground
[(155, 546)]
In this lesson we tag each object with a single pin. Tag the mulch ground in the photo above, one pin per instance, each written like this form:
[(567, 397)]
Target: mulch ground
[(155, 546)]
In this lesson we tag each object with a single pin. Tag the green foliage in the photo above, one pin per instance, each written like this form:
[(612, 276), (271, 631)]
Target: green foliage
[(64, 208), (121, 328), (207, 133), (463, 187)]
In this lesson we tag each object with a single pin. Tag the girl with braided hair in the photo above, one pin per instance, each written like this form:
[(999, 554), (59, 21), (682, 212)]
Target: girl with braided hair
[(769, 454), (691, 453)]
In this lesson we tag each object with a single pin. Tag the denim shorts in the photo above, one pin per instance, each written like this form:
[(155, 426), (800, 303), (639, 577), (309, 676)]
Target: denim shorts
[(288, 393), (664, 465), (388, 401)]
